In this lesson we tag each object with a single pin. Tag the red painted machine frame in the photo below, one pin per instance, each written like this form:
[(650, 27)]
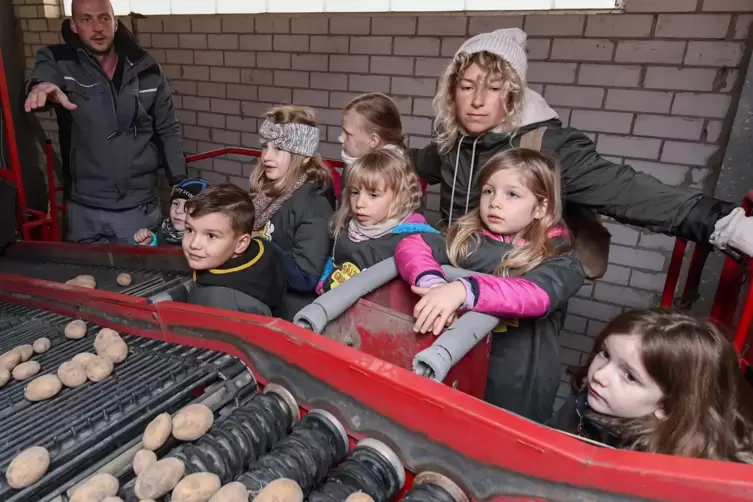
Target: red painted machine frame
[(492, 454)]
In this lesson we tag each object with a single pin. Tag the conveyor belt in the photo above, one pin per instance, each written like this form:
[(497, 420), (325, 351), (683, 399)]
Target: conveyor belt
[(81, 426), (145, 282)]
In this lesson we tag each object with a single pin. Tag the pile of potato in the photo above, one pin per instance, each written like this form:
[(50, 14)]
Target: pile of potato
[(15, 363)]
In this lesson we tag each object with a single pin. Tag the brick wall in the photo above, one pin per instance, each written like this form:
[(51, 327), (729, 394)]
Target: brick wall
[(654, 87)]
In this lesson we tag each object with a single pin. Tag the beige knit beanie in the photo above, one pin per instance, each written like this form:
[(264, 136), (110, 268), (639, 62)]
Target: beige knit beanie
[(508, 43)]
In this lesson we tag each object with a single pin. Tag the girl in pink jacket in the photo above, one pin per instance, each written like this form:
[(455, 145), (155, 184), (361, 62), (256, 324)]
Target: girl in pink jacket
[(517, 242)]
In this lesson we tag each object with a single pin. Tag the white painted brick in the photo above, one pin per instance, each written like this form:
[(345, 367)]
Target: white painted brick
[(694, 154), (701, 105), (368, 83), (686, 79), (620, 25), (713, 131), (727, 5), (549, 25), (206, 24), (195, 132), (392, 65), (240, 59), (310, 97), (330, 150), (700, 177), (272, 24), (593, 310), (637, 258), (422, 142), (662, 126), (228, 75), (622, 234), (627, 297), (715, 53), (198, 104), (146, 25), (213, 58), (340, 99), (616, 274), (349, 25), (329, 44), (275, 94), (485, 24), (211, 120), (393, 25), (656, 241), (599, 121), (660, 5), (243, 23), (574, 49), (416, 46), (423, 107), (575, 323), (442, 25), (371, 45), (649, 281), (596, 327), (242, 91), (185, 117), (692, 26), (178, 56), (290, 43), (558, 73), (349, 64), (585, 291), (584, 97), (638, 101), (212, 90), (575, 341), (642, 148), (226, 106), (176, 24), (256, 42), (315, 62), (328, 116), (191, 40), (654, 51), (414, 86), (213, 177), (609, 75), (229, 138), (537, 48), (257, 76), (250, 140), (430, 67), (666, 173), (329, 81), (255, 109), (291, 78), (183, 88), (570, 357), (189, 72), (159, 40), (742, 26), (563, 114), (279, 60), (310, 25)]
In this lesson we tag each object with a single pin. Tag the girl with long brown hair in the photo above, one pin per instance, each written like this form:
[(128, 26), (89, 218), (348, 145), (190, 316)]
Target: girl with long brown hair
[(516, 240), (662, 381), (293, 200)]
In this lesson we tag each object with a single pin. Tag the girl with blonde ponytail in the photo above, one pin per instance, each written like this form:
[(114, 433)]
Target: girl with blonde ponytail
[(516, 241)]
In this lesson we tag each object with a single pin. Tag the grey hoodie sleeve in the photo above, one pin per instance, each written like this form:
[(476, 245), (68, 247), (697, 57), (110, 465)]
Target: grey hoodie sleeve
[(168, 133), (45, 69)]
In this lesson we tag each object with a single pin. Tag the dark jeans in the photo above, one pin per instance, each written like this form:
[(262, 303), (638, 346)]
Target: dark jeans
[(87, 225)]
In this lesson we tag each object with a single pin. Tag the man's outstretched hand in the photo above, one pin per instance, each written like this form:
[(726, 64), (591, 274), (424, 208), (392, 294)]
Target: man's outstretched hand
[(45, 91)]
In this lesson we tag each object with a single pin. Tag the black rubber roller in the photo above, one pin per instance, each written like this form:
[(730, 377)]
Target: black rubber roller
[(317, 443), (433, 487), (372, 468)]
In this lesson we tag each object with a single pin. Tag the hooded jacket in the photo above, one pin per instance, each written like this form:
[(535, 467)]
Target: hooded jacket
[(588, 179), (114, 142)]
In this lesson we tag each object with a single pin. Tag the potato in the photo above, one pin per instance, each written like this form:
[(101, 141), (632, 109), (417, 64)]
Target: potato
[(159, 479), (115, 350), (83, 359), (26, 370), (280, 490), (4, 377), (10, 359), (41, 345), (96, 488), (83, 281), (26, 351), (124, 280), (359, 497), (231, 492), (72, 374), (192, 422), (106, 334), (27, 467), (197, 487), (143, 460), (99, 368), (112, 499), (157, 432), (75, 330), (43, 387)]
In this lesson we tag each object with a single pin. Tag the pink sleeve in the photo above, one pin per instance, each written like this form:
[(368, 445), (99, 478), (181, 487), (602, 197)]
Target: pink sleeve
[(413, 258), (416, 218), (510, 296)]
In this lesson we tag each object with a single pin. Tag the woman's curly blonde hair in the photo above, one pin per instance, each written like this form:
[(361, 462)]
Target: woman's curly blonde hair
[(446, 125)]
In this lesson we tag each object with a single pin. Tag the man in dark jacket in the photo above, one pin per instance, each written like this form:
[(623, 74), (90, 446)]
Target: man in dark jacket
[(484, 107), (117, 124)]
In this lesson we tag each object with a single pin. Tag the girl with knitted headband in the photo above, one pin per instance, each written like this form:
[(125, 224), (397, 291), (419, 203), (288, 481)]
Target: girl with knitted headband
[(484, 106), (381, 194), (292, 192)]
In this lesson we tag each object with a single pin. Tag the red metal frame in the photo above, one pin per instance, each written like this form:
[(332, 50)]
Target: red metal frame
[(554, 465)]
